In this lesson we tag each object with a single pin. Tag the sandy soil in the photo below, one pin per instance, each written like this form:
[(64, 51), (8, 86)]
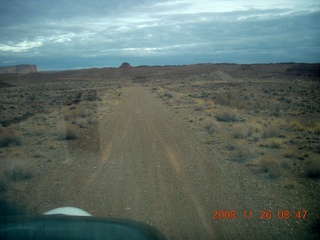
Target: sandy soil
[(144, 162)]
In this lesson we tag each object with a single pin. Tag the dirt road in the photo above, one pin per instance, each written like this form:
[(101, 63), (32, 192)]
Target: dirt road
[(142, 162)]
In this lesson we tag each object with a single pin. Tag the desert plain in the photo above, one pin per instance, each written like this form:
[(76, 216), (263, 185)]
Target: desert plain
[(204, 151)]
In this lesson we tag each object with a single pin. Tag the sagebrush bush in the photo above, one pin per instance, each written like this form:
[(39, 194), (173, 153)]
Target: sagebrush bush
[(211, 126), (18, 169), (241, 152), (168, 95), (10, 137), (269, 166), (242, 131), (227, 115)]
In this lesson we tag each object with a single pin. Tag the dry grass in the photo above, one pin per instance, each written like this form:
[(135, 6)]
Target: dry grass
[(297, 126), (227, 115), (10, 137)]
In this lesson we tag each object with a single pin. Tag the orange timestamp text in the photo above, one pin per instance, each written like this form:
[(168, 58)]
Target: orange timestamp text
[(262, 214)]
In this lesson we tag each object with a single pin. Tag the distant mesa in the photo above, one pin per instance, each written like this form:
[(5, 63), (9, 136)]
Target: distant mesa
[(125, 65), (19, 69)]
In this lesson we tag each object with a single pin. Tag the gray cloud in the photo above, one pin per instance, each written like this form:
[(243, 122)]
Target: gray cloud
[(95, 33)]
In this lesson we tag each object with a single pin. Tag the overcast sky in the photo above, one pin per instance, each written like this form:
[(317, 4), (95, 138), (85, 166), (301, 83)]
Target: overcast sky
[(66, 34)]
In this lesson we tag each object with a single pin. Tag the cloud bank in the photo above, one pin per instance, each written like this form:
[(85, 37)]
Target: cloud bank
[(66, 34)]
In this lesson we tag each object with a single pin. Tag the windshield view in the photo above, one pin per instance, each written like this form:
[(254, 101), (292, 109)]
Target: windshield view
[(166, 119)]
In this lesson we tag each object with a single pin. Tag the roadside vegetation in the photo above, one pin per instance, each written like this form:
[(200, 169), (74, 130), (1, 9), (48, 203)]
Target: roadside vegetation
[(271, 126), (38, 121)]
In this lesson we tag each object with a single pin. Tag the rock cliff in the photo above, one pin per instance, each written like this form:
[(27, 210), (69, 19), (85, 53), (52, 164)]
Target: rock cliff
[(20, 69)]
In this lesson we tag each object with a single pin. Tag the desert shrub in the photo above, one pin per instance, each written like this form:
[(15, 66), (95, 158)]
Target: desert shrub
[(10, 137), (230, 100), (68, 131), (271, 131), (91, 96), (316, 129), (269, 166), (312, 168), (79, 112), (85, 122), (228, 115), (241, 152), (297, 126), (82, 112), (18, 169), (211, 126), (168, 95), (274, 143), (199, 108), (72, 107), (242, 131), (91, 120), (38, 130)]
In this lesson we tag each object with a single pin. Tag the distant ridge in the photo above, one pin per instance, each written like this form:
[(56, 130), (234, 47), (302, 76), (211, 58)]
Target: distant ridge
[(19, 69)]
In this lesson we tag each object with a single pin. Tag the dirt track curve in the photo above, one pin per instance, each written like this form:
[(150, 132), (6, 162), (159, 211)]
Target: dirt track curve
[(142, 162)]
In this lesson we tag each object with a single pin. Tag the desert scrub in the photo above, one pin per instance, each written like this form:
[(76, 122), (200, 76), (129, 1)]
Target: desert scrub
[(242, 131), (269, 166), (67, 131), (38, 130), (274, 143), (271, 131), (211, 126), (168, 95), (77, 112), (296, 126), (241, 152), (18, 169), (316, 129), (85, 122), (227, 115), (9, 137)]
